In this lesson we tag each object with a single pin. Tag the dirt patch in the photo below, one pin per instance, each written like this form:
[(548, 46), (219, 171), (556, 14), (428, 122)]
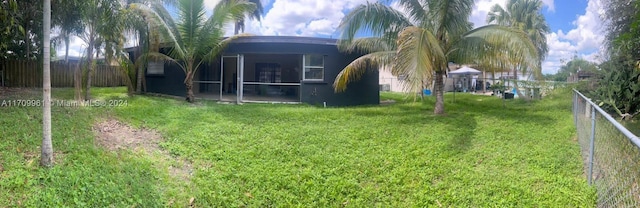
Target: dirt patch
[(114, 135), (16, 92)]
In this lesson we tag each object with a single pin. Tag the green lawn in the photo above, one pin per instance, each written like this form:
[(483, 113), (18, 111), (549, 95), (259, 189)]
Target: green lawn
[(480, 154)]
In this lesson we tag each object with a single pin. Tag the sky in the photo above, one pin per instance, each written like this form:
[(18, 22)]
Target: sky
[(576, 27)]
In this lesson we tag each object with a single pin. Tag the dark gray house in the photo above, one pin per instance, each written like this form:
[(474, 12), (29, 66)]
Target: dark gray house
[(271, 69)]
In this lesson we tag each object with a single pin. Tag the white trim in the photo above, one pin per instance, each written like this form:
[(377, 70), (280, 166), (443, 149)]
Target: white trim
[(271, 102), (272, 84), (221, 75), (240, 66), (304, 67), (208, 82)]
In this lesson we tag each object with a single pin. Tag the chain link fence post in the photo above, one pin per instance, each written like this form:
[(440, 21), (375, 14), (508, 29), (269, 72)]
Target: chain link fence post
[(592, 143)]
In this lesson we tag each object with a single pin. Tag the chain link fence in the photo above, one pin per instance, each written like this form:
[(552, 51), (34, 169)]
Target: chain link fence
[(611, 154)]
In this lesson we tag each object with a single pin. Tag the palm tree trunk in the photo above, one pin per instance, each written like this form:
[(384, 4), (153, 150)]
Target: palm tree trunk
[(87, 92), (189, 84), (515, 85), (27, 41), (66, 48), (140, 73), (439, 91), (236, 28), (46, 156)]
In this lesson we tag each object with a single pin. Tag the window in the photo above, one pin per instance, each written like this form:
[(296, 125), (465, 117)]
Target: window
[(155, 68), (313, 67)]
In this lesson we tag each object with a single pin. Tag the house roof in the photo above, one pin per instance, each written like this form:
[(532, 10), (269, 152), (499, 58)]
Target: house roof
[(278, 39), (286, 39)]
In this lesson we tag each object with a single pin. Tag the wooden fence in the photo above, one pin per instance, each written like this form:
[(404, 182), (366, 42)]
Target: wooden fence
[(29, 74)]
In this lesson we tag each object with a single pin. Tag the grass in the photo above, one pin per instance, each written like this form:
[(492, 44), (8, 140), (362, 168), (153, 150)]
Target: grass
[(480, 154)]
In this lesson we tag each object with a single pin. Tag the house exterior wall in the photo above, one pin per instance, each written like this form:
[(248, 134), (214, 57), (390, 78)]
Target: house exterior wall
[(394, 84), (361, 92)]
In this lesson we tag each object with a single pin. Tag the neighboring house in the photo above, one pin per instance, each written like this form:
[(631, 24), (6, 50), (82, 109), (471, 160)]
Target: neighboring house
[(580, 75), (485, 80), (390, 83), (270, 69)]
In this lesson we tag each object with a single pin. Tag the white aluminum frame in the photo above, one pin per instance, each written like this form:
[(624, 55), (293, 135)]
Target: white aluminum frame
[(304, 67)]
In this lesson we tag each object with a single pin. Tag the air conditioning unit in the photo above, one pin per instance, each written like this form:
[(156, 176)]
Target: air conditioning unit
[(385, 87)]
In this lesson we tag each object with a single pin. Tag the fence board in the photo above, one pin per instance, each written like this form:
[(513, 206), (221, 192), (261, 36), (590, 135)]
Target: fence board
[(20, 73)]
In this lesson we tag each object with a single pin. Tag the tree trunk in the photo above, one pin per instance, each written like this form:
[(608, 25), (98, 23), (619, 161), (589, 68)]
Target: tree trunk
[(27, 41), (439, 91), (189, 84), (239, 25), (77, 81), (140, 67), (87, 92), (46, 156), (484, 82), (518, 92), (66, 48)]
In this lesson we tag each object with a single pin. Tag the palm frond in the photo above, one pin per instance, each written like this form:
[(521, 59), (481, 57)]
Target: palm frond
[(191, 12), (359, 67), (449, 19), (258, 12), (367, 45), (217, 48), (163, 28), (375, 18), (156, 56), (416, 10), (231, 10), (497, 15), (497, 46), (419, 56)]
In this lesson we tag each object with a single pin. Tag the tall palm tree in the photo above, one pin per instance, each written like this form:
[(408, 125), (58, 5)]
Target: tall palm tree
[(68, 20), (255, 14), (420, 41), (523, 15), (46, 155), (194, 39)]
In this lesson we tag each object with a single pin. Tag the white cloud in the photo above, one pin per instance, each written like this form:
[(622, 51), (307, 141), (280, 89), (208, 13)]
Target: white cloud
[(304, 17), (76, 47), (584, 40), (210, 4), (588, 32)]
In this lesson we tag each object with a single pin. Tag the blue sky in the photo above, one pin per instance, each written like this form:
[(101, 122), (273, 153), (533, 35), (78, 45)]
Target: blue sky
[(575, 24)]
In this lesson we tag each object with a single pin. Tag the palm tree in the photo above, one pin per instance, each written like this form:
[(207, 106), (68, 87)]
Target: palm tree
[(68, 20), (255, 14), (194, 39), (523, 15), (46, 155), (420, 41), (136, 24), (102, 31)]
